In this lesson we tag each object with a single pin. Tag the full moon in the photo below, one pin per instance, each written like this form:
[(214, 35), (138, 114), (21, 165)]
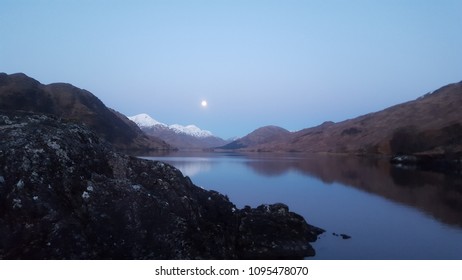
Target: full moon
[(204, 103)]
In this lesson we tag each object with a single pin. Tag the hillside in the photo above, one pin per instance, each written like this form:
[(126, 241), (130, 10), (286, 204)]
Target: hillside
[(20, 92), (261, 136), (431, 124)]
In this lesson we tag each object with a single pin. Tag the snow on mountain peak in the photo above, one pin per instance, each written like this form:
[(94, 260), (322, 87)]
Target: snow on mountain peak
[(144, 120), (191, 130)]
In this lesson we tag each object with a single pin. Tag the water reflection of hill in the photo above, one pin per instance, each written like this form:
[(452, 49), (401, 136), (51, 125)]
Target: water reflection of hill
[(437, 194), (193, 167)]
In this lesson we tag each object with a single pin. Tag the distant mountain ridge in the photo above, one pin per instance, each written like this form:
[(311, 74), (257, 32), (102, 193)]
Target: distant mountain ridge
[(186, 137), (145, 121), (431, 124), (260, 136), (18, 92)]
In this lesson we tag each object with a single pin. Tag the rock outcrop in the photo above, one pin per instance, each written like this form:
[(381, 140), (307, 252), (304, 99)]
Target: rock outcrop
[(260, 231), (65, 194)]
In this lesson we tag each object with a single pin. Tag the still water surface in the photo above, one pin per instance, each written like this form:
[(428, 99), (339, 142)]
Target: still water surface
[(390, 213)]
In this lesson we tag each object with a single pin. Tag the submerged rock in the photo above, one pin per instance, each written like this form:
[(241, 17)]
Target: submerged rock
[(65, 194), (342, 235)]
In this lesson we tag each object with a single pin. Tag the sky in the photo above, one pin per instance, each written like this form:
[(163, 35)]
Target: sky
[(289, 63)]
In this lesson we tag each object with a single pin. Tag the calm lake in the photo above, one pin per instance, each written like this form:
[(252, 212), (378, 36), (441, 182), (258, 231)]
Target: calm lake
[(390, 212)]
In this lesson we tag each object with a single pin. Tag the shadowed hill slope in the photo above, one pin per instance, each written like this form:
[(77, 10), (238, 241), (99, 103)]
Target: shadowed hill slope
[(19, 92)]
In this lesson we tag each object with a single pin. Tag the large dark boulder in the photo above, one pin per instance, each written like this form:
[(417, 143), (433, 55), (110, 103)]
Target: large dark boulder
[(65, 194), (273, 232)]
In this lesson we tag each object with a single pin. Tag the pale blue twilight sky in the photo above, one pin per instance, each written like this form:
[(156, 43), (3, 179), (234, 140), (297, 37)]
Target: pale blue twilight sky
[(289, 63)]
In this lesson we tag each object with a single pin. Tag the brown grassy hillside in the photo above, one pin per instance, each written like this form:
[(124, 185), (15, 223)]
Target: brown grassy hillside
[(430, 124)]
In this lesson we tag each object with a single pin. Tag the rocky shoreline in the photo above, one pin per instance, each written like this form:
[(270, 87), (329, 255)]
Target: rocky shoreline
[(66, 194), (448, 163)]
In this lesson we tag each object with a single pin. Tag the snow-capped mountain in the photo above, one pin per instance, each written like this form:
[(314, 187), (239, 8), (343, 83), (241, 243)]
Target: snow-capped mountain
[(144, 120), (191, 130), (180, 136)]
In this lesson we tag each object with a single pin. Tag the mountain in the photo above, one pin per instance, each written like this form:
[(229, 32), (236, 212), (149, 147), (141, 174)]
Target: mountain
[(145, 121), (19, 92), (261, 136), (185, 137), (431, 124)]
